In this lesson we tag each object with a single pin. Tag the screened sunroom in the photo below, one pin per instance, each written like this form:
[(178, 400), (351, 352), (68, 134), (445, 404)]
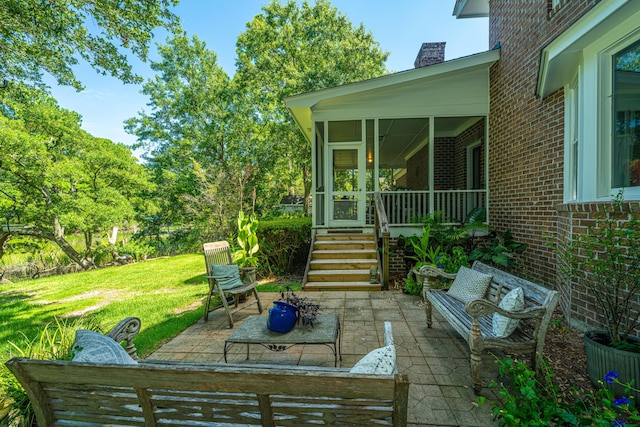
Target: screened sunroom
[(416, 140)]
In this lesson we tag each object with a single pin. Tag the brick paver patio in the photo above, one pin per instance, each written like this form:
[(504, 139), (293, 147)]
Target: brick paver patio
[(435, 360)]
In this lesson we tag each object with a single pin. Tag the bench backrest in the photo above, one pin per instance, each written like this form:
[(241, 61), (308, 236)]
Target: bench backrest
[(503, 282), (182, 393)]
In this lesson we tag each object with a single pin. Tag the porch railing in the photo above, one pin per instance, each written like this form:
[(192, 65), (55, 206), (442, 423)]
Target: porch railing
[(409, 207), (382, 237)]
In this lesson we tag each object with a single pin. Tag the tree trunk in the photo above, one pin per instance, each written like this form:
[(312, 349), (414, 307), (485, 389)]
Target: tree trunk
[(88, 242), (62, 243), (114, 236), (3, 239)]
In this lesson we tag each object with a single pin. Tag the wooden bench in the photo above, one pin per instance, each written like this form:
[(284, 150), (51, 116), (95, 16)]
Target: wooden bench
[(473, 321), (152, 393)]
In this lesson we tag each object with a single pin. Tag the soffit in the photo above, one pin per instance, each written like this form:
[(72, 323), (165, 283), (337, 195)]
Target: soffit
[(301, 106), (471, 9), (560, 58)]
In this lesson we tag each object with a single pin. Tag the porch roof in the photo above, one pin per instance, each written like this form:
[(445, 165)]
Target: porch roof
[(446, 77)]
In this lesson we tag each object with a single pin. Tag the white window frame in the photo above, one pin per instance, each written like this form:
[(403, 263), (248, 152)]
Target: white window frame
[(593, 96), (470, 149), (572, 140)]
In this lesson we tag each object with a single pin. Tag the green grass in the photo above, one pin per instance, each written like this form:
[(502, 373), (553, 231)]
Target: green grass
[(166, 294)]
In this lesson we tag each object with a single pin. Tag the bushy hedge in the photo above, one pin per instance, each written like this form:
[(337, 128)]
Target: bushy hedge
[(284, 246)]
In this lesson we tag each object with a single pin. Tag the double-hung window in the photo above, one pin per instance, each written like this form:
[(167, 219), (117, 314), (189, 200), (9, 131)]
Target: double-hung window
[(625, 120), (597, 61)]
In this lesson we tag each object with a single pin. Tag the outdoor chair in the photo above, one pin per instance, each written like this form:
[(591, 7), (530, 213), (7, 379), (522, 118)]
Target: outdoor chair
[(225, 282)]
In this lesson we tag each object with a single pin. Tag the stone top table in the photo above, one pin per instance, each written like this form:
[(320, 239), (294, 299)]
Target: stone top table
[(325, 331)]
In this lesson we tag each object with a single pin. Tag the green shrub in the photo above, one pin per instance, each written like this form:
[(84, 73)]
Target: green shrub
[(411, 286), (137, 250), (530, 400), (53, 343), (284, 245)]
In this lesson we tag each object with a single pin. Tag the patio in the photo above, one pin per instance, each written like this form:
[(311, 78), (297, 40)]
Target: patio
[(435, 360)]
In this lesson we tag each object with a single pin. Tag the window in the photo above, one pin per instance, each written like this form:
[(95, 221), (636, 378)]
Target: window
[(574, 139), (625, 149), (474, 166)]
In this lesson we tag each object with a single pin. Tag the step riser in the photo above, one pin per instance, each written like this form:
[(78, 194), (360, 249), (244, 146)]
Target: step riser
[(323, 276), (343, 245), (364, 254), (343, 237), (320, 287), (348, 265)]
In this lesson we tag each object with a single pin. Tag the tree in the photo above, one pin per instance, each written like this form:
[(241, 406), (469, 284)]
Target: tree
[(57, 177), (291, 49), (38, 36), (204, 153)]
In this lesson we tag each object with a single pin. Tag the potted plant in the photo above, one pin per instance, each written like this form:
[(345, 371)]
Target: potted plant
[(605, 260), (306, 310), (245, 255)]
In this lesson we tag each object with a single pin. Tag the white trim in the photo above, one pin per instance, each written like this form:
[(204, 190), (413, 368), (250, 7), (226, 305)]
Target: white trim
[(562, 55), (471, 9), (469, 161), (301, 106), (594, 94)]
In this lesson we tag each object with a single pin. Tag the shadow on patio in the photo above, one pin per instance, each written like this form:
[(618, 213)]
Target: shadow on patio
[(435, 360)]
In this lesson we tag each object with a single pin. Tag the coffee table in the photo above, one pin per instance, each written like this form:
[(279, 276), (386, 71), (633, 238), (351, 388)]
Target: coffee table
[(325, 331)]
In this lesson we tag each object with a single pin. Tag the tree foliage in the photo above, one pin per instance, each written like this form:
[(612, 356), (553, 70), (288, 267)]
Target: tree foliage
[(56, 177), (291, 49), (189, 135), (38, 36)]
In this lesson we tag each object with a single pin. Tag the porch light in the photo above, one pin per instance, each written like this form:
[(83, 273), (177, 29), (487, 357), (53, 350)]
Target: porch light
[(369, 157)]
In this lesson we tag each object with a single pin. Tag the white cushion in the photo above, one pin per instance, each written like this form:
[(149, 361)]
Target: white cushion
[(93, 347), (379, 361), (504, 326), (469, 285)]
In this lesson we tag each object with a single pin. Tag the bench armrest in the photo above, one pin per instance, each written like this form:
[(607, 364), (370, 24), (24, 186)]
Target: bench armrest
[(428, 271), (125, 331), (482, 307)]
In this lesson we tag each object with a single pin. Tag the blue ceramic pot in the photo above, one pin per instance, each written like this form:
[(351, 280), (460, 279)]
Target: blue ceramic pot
[(282, 317)]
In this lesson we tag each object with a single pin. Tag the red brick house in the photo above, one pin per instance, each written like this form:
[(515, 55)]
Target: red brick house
[(537, 130)]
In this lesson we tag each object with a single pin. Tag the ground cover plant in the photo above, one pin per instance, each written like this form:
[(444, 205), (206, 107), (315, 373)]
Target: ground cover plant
[(38, 318), (165, 293)]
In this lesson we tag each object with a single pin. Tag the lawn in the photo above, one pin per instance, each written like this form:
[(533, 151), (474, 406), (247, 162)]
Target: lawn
[(166, 294)]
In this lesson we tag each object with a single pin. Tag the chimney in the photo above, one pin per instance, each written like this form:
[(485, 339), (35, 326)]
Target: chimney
[(429, 54)]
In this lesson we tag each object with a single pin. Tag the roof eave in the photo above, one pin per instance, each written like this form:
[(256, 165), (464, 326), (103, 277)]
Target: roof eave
[(301, 106), (471, 9)]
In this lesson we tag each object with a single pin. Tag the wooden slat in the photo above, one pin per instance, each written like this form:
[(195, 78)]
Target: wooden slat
[(181, 393)]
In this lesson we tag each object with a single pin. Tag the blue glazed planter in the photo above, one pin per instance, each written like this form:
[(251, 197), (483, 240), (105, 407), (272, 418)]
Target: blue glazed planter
[(282, 317)]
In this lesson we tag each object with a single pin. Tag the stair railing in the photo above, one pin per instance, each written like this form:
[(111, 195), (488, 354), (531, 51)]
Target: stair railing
[(382, 239), (308, 267)]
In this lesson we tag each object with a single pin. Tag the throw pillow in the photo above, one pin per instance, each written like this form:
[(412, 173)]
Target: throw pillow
[(469, 285), (228, 276), (379, 361), (504, 326), (93, 347)]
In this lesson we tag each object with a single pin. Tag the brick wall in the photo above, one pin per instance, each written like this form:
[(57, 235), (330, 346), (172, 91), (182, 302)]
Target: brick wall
[(471, 135), (444, 175), (526, 137), (418, 170), (575, 218)]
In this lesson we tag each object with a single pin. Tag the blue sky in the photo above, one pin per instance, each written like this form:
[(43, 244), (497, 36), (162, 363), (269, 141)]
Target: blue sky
[(400, 27)]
